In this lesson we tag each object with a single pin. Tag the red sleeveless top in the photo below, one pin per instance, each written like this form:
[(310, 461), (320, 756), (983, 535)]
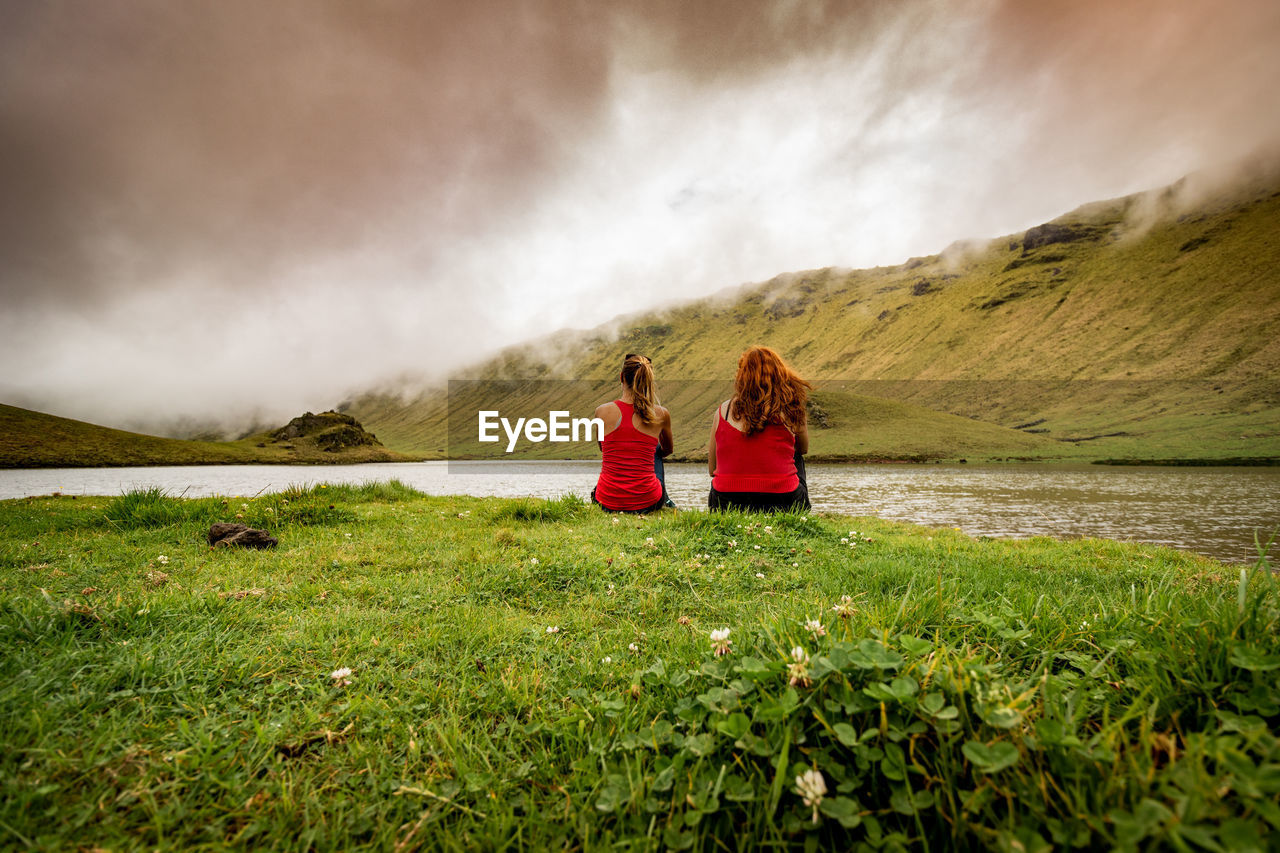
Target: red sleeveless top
[(761, 462), (627, 479)]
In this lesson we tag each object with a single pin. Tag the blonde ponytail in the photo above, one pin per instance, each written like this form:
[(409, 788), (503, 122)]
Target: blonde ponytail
[(637, 375)]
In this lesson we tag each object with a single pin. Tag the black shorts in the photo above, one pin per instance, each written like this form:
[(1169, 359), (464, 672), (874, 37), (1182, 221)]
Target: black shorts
[(760, 501), (662, 503)]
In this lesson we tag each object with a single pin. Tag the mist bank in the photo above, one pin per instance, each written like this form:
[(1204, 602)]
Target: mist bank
[(277, 205), (1138, 328)]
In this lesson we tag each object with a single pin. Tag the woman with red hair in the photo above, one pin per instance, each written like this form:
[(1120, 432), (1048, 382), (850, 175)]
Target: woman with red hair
[(759, 437)]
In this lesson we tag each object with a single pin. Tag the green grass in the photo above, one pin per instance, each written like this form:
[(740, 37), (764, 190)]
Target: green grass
[(36, 440), (1152, 343), (156, 693)]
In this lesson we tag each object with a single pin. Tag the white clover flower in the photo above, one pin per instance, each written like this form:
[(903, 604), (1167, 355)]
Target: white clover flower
[(648, 541), (798, 670), (733, 543), (760, 575), (533, 561), (633, 647), (162, 560), (606, 659), (768, 529), (795, 565), (757, 547), (341, 676), (844, 540), (615, 519), (814, 627), (609, 591), (553, 629), (844, 607), (720, 642), (812, 788)]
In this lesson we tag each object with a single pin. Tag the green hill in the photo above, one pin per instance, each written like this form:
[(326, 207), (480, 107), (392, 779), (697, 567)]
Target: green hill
[(1088, 337), (35, 440)]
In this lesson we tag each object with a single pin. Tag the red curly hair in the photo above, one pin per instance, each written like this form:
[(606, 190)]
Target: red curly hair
[(766, 390)]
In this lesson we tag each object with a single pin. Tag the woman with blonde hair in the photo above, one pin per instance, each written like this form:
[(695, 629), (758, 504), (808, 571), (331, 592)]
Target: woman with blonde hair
[(637, 436), (759, 437)]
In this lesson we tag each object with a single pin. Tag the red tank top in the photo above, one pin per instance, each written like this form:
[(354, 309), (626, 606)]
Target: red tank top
[(627, 479), (760, 462)]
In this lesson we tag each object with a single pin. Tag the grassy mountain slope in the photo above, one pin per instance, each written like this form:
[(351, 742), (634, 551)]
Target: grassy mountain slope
[(1097, 336), (36, 440)]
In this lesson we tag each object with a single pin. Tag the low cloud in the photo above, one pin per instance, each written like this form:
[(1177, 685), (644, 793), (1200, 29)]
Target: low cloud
[(232, 210)]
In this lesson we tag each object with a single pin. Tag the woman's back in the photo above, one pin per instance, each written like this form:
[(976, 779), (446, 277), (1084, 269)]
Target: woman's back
[(761, 462), (627, 478)]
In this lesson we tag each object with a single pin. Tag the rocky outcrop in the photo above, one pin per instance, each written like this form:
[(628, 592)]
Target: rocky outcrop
[(230, 535), (331, 431), (1052, 232)]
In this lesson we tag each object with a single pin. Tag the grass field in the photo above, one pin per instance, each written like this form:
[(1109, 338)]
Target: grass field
[(407, 672)]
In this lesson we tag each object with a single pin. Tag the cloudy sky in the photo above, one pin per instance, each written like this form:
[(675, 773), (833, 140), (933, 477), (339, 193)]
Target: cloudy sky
[(217, 207)]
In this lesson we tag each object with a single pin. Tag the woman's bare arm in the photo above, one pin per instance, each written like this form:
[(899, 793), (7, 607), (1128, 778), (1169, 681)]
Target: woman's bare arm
[(666, 441), (711, 445), (802, 440)]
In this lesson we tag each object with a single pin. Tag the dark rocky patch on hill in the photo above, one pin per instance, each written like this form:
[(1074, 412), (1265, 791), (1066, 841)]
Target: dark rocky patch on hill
[(330, 431)]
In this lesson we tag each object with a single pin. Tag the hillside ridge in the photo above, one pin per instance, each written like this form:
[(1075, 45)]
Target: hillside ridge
[(1129, 328)]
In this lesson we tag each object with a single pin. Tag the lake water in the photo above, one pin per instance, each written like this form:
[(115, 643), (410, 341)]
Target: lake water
[(1213, 511)]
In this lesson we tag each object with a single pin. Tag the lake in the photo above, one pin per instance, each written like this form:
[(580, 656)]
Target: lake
[(1213, 511)]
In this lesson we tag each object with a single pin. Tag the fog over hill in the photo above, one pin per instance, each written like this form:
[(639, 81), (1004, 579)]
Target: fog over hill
[(237, 210), (1143, 327)]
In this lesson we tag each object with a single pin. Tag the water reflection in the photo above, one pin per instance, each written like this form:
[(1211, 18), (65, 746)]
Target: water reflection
[(1214, 511)]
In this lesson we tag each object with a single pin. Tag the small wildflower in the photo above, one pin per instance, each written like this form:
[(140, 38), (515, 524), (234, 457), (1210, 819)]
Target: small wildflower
[(814, 627), (244, 506), (684, 620), (757, 547), (648, 540), (633, 647), (609, 591), (553, 629), (795, 565), (812, 788), (760, 575), (768, 529), (733, 543), (341, 676), (615, 519), (606, 659), (720, 642), (844, 607), (162, 560), (533, 561), (799, 668), (844, 540)]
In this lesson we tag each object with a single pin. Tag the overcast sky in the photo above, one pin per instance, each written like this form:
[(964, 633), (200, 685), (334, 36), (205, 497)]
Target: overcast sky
[(217, 207)]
